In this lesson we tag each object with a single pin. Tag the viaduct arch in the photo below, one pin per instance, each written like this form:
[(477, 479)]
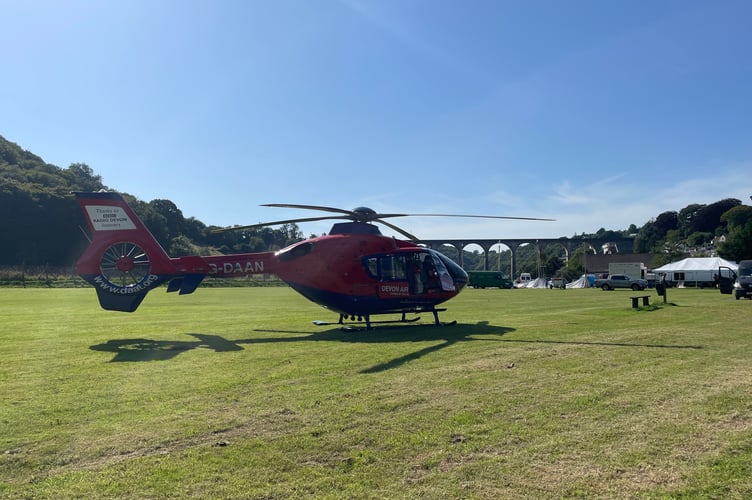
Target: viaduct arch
[(623, 245)]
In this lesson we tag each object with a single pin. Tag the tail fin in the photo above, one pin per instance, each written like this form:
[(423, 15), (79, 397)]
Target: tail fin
[(124, 260)]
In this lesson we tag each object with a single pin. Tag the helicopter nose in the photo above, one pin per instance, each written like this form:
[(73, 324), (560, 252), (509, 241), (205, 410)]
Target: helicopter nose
[(459, 276), (460, 280)]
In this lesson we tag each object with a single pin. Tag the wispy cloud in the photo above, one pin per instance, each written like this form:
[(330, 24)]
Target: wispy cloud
[(612, 203)]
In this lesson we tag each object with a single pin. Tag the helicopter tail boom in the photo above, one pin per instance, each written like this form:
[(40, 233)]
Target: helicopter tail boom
[(124, 261)]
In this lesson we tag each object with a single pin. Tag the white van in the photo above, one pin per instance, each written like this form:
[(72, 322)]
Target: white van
[(523, 280)]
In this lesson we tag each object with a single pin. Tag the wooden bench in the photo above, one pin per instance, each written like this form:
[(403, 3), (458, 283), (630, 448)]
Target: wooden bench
[(645, 300)]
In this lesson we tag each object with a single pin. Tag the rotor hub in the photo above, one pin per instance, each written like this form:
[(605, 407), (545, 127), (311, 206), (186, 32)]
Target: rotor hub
[(125, 264), (364, 214)]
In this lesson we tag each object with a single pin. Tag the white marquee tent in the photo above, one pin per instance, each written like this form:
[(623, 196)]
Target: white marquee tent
[(697, 264), (694, 271)]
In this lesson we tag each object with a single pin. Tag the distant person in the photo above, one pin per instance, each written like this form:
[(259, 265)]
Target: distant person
[(430, 276), (417, 277), (661, 287)]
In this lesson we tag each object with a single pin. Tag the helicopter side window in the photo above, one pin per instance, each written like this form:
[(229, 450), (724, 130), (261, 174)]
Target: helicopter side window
[(386, 267), (392, 268), (372, 266)]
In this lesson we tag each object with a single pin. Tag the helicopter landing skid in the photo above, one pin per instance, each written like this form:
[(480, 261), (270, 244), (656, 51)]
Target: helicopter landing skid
[(367, 321), (343, 317)]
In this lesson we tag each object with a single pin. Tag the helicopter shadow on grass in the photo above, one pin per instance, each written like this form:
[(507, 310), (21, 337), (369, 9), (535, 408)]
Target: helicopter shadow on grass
[(449, 334), (142, 349)]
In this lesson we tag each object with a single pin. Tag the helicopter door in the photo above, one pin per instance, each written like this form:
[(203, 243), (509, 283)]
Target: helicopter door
[(726, 279), (435, 275), (391, 273)]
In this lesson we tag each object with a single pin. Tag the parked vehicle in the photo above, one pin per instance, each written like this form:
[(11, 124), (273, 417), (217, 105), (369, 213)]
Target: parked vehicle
[(488, 279), (558, 283), (635, 269), (614, 281), (523, 281), (739, 283), (743, 287)]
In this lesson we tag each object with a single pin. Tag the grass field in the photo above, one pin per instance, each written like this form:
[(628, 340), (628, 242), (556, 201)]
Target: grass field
[(233, 393)]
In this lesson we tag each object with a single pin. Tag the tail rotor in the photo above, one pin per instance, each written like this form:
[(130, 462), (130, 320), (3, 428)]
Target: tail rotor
[(124, 261)]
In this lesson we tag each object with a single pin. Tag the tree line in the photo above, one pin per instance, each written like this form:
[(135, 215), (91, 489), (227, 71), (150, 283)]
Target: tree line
[(723, 227), (41, 221)]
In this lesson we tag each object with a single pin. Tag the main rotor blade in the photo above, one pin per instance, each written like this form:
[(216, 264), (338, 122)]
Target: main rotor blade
[(276, 223), (384, 216), (379, 218), (399, 230), (360, 215), (308, 207), (461, 215)]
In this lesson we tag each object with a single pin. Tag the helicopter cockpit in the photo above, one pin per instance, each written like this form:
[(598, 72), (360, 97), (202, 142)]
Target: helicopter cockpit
[(424, 271)]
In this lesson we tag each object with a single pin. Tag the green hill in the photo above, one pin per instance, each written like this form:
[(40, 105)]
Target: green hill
[(40, 223)]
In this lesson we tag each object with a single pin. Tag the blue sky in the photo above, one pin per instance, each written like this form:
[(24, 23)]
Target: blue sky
[(599, 114)]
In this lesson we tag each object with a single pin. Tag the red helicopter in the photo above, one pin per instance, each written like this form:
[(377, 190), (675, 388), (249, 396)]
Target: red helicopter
[(354, 270)]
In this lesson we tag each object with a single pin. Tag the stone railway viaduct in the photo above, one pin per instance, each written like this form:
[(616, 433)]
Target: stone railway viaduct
[(623, 245)]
